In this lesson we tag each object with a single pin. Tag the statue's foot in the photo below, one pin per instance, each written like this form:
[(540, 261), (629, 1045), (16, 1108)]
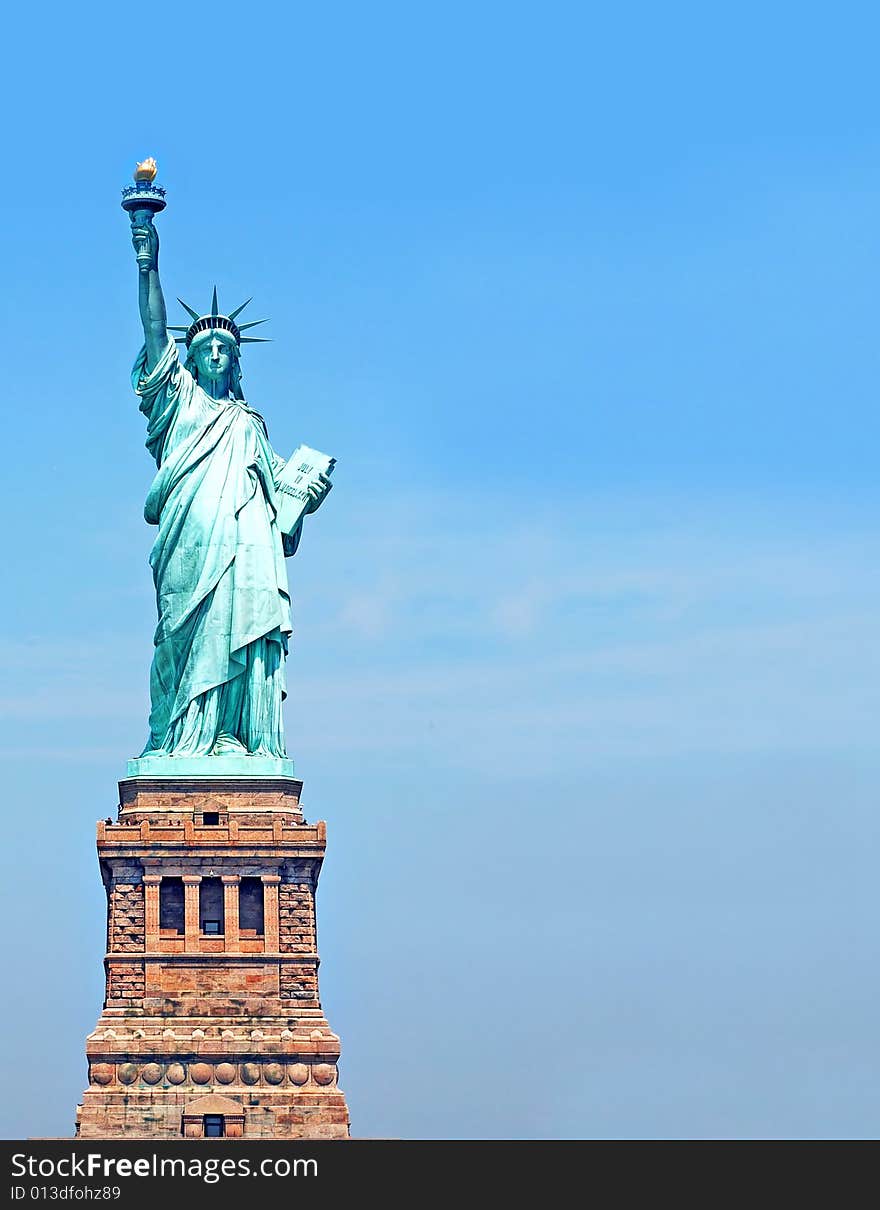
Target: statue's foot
[(228, 745)]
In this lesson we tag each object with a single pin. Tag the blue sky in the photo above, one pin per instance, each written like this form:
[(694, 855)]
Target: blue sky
[(584, 301)]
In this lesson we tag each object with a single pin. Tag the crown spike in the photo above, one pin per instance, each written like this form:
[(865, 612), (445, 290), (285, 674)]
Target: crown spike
[(215, 322), (238, 310), (255, 340)]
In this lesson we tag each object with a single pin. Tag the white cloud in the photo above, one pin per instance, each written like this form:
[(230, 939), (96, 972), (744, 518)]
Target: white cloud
[(548, 645)]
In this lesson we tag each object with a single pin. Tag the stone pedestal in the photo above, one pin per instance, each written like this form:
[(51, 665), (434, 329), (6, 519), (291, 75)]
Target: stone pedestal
[(212, 1022)]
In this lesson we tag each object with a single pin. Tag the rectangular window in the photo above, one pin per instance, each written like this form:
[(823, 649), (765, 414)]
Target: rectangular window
[(214, 1126), (211, 819), (250, 907), (211, 918), (171, 904)]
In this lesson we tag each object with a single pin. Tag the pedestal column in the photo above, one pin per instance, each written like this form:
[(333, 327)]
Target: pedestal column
[(230, 911), (152, 882), (271, 927), (191, 912)]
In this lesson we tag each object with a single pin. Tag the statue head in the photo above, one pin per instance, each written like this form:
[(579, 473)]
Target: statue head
[(213, 344), (214, 358)]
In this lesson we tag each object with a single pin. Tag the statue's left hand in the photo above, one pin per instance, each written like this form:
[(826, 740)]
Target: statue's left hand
[(318, 493)]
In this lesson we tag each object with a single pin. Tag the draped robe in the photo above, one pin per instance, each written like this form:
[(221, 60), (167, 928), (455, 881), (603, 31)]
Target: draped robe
[(217, 677)]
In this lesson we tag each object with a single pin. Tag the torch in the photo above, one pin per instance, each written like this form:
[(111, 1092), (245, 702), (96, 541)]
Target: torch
[(142, 200)]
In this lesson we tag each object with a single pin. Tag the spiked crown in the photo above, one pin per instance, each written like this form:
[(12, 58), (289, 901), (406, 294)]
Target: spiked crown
[(214, 322)]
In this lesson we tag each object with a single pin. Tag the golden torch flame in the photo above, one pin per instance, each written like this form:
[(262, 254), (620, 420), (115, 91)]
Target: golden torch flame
[(146, 170)]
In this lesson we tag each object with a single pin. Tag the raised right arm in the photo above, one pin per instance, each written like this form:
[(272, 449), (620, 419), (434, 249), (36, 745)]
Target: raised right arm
[(150, 298)]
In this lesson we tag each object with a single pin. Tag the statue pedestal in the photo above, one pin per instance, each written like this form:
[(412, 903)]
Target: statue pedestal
[(174, 767), (212, 1020)]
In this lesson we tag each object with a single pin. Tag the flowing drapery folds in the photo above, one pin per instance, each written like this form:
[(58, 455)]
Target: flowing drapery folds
[(217, 678)]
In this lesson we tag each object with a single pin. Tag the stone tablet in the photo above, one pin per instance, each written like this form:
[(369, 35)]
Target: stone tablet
[(301, 471)]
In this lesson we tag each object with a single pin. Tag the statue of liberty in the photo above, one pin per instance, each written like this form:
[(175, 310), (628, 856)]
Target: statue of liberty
[(217, 679)]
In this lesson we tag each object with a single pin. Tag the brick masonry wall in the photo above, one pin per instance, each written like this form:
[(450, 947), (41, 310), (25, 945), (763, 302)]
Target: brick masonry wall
[(125, 984), (127, 918), (299, 983), (140, 796), (296, 909)]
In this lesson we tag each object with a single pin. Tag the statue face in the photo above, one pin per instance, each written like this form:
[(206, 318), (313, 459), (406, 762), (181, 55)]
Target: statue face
[(213, 358)]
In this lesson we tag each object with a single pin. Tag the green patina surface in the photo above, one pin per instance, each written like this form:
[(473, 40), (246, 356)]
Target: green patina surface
[(210, 766), (218, 673)]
